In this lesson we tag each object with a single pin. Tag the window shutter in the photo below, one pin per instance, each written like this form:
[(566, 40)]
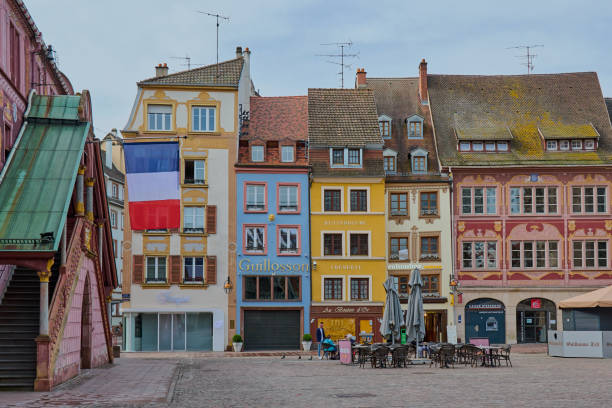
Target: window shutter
[(137, 269), (175, 269), (211, 219), (211, 269)]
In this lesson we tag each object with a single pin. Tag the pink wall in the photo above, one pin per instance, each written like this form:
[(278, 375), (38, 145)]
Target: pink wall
[(68, 361)]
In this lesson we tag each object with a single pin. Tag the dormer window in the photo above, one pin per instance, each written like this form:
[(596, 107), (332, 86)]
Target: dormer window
[(257, 153), (551, 145), (287, 154), (419, 161), (415, 127), (465, 146), (384, 124), (490, 146), (576, 144), (345, 157), (564, 144), (589, 144), (502, 146), (389, 161), (477, 146)]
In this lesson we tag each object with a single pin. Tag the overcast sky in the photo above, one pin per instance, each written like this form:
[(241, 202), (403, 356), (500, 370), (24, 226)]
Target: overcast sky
[(106, 46)]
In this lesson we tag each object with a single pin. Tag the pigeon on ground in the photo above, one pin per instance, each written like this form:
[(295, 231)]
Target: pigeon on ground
[(283, 357), (299, 357)]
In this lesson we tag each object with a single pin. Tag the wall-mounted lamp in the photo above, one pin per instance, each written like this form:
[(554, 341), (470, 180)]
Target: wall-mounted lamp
[(227, 287), (314, 265)]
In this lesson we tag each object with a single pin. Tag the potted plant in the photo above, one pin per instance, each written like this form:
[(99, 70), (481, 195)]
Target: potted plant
[(237, 343), (306, 341)]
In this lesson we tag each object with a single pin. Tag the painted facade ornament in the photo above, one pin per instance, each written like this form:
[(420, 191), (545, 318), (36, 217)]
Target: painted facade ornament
[(497, 226), (461, 226), (46, 274), (608, 225), (571, 225)]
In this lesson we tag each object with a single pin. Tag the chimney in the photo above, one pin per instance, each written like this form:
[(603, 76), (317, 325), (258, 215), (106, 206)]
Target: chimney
[(108, 154), (161, 70), (238, 52), (360, 79), (423, 81)]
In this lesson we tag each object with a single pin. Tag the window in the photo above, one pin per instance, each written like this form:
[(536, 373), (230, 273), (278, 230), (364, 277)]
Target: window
[(115, 190), (398, 247), (478, 200), (354, 156), (255, 239), (465, 146), (479, 255), (332, 200), (288, 241), (589, 199), (399, 203), (287, 198), (193, 219), (551, 145), (564, 145), (534, 254), (431, 285), (590, 254), (576, 144), (332, 244), (389, 163), (272, 288), (359, 200), (419, 164), (332, 288), (193, 270), (589, 144), (385, 129), (203, 118), (490, 146), (113, 219), (15, 57), (429, 203), (115, 248), (401, 284), (502, 146), (533, 200), (359, 244), (429, 248), (415, 130), (287, 154), (159, 117), (156, 269), (194, 171), (256, 197), (257, 153), (477, 146), (360, 289), (338, 156)]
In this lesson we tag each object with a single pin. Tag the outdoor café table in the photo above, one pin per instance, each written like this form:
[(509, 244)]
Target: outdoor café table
[(488, 354)]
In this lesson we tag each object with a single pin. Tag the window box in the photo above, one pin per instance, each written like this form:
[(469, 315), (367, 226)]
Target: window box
[(398, 204), (398, 248), (429, 204)]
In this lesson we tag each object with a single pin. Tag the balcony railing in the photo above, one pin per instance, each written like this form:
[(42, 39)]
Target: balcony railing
[(426, 211)]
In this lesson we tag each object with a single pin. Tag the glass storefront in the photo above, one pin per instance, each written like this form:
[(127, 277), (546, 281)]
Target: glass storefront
[(171, 331)]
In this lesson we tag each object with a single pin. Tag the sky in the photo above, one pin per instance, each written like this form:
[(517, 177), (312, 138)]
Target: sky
[(108, 46)]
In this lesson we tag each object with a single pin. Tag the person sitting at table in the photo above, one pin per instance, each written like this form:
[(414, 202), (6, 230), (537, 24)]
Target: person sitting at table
[(422, 350), (351, 338), (329, 347)]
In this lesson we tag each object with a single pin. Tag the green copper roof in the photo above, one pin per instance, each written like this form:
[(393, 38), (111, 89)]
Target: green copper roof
[(37, 181)]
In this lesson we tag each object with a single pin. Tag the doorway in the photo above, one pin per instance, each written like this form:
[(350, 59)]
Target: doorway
[(435, 326), (86, 328), (534, 317)]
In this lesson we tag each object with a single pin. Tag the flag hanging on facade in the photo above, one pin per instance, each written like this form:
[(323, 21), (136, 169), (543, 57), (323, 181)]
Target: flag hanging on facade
[(152, 173)]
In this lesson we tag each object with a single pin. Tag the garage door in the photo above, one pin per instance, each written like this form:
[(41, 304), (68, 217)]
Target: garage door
[(272, 330)]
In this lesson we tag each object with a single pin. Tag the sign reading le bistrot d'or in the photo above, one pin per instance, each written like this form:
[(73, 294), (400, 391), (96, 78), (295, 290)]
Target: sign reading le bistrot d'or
[(348, 310)]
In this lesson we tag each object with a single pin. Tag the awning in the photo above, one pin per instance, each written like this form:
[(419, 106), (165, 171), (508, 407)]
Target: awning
[(37, 181), (598, 298)]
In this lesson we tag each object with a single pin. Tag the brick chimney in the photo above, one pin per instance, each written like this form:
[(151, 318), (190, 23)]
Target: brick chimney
[(161, 70), (238, 52), (360, 78), (423, 81)]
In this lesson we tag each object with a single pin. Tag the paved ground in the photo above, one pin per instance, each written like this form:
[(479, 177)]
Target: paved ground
[(208, 380)]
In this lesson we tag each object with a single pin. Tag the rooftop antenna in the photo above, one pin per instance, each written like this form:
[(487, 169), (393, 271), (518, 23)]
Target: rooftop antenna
[(529, 56), (187, 60), (218, 16), (342, 55)]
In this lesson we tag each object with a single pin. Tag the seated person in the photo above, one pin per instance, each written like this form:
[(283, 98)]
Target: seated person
[(329, 346), (351, 338)]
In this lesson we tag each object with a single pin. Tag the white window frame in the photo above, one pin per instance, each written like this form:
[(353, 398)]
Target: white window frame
[(257, 153), (589, 144), (478, 146), (156, 265), (256, 186), (247, 229), (199, 166), (564, 145), (551, 145), (286, 158), (282, 196), (193, 270), (207, 110), (164, 119), (534, 250), (485, 259), (583, 199), (465, 146), (504, 148), (485, 200), (576, 144), (345, 162), (282, 228), (583, 242), (491, 145), (191, 215), (521, 202), (113, 218)]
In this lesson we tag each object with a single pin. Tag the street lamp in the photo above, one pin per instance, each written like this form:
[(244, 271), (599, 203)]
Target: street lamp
[(227, 287)]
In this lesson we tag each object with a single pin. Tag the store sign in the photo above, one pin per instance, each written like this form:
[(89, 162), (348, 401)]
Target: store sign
[(245, 265), (169, 298), (404, 266), (577, 343), (345, 309), (536, 303)]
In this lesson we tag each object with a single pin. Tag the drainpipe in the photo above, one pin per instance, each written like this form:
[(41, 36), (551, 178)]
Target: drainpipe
[(80, 205)]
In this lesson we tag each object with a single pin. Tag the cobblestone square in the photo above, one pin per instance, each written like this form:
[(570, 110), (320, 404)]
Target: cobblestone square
[(209, 380)]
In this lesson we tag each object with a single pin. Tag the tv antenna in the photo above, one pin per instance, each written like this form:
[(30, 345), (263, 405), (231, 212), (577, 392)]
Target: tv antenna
[(529, 56), (187, 60), (342, 55), (217, 16)]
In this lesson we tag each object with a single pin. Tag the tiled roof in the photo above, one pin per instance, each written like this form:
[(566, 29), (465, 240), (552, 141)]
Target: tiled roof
[(523, 103), (483, 133), (371, 168), (113, 172), (277, 118), (228, 74), (586, 131), (609, 106), (342, 117), (398, 98)]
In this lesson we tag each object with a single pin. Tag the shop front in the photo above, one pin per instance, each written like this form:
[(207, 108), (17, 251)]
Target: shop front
[(485, 318), (534, 317), (361, 321)]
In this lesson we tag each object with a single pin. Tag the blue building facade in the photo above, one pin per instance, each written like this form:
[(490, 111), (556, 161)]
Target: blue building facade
[(273, 288)]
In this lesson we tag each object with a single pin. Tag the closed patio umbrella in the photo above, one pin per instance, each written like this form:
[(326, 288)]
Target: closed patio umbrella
[(392, 317), (415, 316)]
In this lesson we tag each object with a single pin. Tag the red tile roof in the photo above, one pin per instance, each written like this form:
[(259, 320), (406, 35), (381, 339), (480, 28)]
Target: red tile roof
[(277, 118)]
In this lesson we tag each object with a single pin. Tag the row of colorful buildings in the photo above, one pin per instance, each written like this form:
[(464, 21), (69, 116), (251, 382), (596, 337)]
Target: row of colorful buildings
[(264, 216)]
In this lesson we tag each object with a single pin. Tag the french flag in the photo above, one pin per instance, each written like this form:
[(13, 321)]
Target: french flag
[(152, 172)]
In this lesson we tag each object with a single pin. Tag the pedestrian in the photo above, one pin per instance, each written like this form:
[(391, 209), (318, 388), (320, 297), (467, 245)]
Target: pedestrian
[(320, 338)]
